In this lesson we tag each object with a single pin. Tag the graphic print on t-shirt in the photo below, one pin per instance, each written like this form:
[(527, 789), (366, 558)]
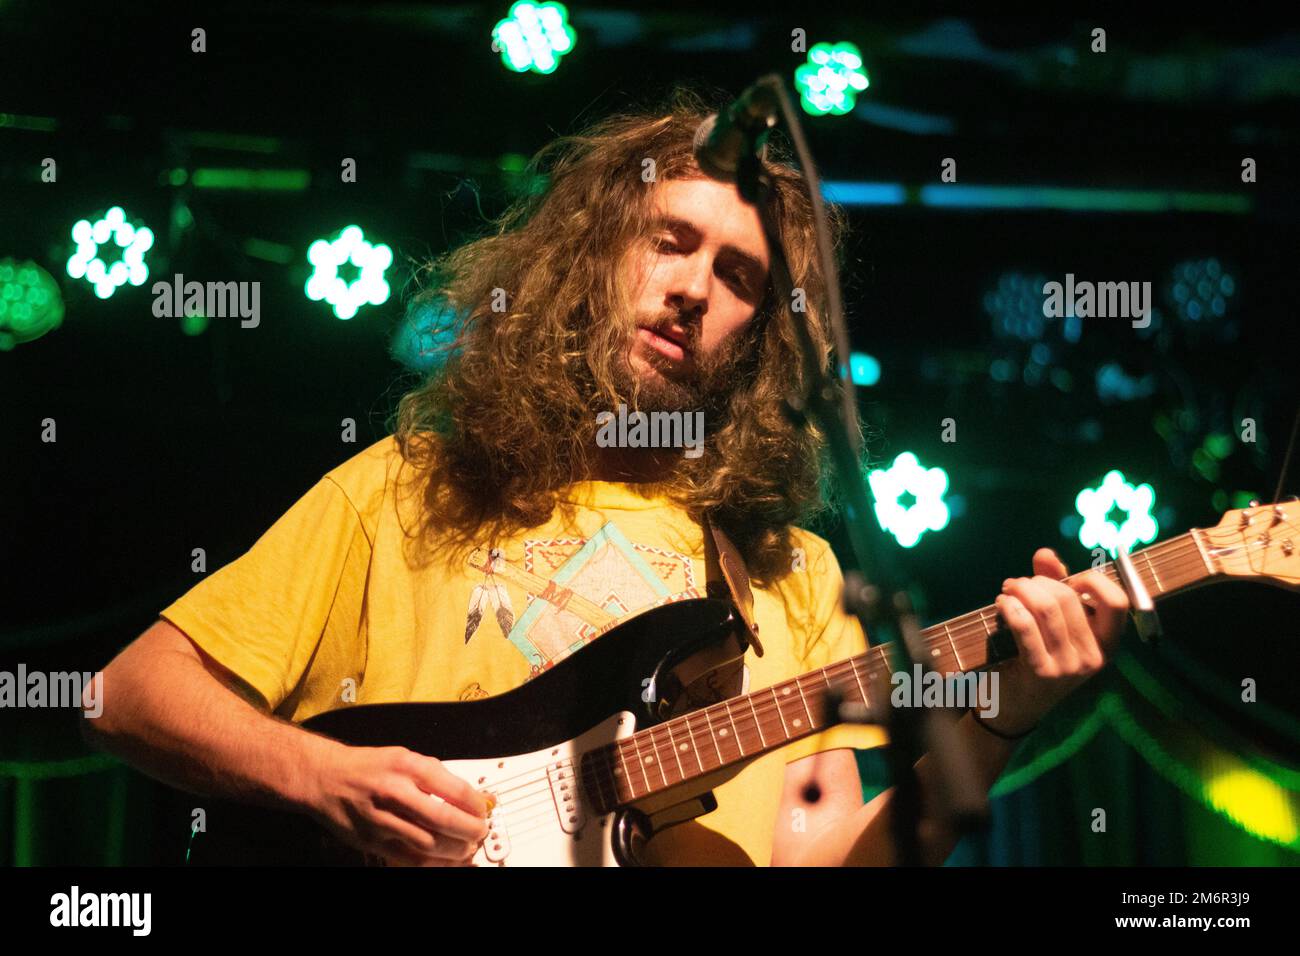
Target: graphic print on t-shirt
[(577, 589), (490, 594)]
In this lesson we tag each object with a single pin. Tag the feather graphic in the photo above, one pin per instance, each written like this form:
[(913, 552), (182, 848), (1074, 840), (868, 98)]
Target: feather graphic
[(490, 593), (471, 623)]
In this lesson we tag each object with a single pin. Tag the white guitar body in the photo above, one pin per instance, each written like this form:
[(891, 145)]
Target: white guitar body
[(543, 818)]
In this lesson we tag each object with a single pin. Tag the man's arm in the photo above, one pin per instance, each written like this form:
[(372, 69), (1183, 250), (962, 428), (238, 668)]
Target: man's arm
[(171, 711), (179, 716), (842, 831), (1063, 632), (799, 821)]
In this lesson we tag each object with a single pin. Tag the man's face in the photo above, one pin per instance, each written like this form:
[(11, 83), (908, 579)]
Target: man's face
[(696, 283)]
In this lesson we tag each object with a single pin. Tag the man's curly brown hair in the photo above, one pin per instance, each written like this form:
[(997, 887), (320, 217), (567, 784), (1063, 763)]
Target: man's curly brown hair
[(507, 418)]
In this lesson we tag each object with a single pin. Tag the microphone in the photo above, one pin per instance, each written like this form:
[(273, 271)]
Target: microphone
[(724, 139)]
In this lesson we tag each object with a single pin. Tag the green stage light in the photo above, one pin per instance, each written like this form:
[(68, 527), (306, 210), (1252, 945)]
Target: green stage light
[(905, 478), (350, 248), (1202, 290), (1115, 493), (131, 242), (427, 337), (534, 36), (30, 302), (195, 324), (864, 369), (831, 79)]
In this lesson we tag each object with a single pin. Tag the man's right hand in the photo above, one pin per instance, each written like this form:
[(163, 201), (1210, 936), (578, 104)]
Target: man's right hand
[(396, 804)]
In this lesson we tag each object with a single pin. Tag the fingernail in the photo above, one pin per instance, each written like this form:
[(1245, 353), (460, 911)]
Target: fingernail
[(491, 803), (1006, 584)]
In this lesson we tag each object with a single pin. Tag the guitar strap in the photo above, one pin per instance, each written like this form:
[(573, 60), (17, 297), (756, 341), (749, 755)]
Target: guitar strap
[(736, 578)]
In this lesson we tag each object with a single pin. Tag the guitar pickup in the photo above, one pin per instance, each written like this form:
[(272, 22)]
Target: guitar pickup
[(566, 791), (497, 845)]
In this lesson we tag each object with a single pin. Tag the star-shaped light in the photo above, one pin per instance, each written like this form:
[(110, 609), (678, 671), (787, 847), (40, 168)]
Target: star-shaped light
[(133, 241), (1114, 492), (831, 79), (368, 288), (927, 486), (534, 36)]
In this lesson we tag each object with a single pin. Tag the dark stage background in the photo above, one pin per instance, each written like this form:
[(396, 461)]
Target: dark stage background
[(1125, 165)]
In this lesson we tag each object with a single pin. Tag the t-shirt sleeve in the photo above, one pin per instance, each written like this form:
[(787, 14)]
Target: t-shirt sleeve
[(262, 615), (836, 636)]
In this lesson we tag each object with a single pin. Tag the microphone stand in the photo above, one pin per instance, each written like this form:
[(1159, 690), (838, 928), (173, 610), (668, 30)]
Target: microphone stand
[(961, 802)]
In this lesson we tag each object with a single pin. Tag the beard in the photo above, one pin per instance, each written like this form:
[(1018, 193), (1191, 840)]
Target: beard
[(707, 386)]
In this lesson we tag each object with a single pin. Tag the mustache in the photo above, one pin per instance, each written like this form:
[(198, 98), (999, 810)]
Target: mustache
[(673, 325)]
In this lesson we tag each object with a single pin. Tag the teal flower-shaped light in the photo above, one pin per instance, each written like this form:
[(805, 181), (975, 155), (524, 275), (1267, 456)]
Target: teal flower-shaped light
[(906, 479), (369, 262), (1115, 493), (534, 36), (831, 79), (131, 242)]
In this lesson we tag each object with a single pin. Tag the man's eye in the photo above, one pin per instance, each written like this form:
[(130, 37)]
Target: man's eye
[(666, 245)]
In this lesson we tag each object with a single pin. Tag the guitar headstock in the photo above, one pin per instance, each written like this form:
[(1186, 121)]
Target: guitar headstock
[(1262, 541)]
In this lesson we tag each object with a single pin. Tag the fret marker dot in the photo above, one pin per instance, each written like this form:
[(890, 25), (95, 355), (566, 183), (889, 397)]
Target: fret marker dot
[(786, 692), (681, 746), (935, 652), (722, 732), (798, 721), (649, 759)]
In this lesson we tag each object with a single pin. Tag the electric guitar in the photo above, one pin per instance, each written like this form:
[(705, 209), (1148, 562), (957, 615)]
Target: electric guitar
[(631, 734)]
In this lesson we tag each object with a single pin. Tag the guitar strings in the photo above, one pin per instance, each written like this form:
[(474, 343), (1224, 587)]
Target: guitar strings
[(525, 826), (655, 739), (1177, 555)]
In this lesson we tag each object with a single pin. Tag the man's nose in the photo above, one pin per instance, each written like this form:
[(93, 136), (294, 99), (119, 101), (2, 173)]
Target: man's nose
[(689, 291)]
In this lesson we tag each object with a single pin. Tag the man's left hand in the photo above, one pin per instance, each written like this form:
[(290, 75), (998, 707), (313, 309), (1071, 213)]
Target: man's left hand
[(1064, 631)]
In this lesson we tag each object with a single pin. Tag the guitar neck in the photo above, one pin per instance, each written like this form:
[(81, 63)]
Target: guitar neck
[(742, 728)]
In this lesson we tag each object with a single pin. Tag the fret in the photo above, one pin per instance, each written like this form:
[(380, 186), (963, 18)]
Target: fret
[(681, 771), (785, 728), (641, 762), (657, 759), (734, 732), (861, 690), (713, 735), (1152, 568), (882, 658), (695, 748), (627, 774), (798, 683), (762, 743), (1196, 539), (948, 632), (853, 662)]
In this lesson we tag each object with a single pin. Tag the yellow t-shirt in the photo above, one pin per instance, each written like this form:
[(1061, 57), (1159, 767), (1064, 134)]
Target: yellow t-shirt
[(328, 608)]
